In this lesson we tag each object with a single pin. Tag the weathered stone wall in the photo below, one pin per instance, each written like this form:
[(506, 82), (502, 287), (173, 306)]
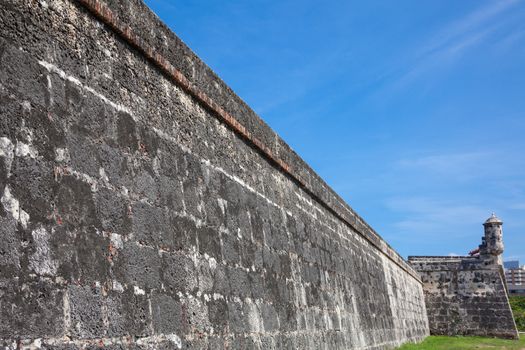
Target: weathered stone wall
[(144, 205), (465, 296)]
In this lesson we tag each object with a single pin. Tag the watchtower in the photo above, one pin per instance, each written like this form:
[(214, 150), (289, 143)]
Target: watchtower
[(492, 243)]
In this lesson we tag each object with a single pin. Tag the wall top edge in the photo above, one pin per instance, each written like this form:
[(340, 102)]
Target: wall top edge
[(438, 257)]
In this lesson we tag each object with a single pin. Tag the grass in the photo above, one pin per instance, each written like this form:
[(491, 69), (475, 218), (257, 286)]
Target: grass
[(471, 343), (465, 343), (518, 309)]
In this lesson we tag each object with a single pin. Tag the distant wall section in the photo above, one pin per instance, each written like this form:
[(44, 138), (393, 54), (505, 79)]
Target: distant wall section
[(464, 298), (466, 295)]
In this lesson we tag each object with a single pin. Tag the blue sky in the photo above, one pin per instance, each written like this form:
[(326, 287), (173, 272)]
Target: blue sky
[(413, 111)]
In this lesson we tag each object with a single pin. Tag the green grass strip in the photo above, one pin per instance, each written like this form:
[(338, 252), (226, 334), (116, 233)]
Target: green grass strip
[(466, 343)]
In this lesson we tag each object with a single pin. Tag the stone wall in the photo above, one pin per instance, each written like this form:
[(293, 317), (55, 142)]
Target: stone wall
[(144, 205), (465, 296)]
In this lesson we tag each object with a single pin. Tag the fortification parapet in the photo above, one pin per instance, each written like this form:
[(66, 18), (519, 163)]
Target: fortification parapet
[(467, 295)]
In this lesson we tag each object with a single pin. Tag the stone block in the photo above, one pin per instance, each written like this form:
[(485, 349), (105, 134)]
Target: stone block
[(32, 309), (86, 315)]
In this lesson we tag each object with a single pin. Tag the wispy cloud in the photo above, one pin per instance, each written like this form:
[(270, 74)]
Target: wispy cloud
[(463, 165), (461, 30), (428, 217), (511, 39), (450, 43), (443, 55)]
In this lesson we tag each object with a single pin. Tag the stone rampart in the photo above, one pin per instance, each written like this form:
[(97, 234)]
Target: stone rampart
[(464, 296), (144, 205), (467, 295)]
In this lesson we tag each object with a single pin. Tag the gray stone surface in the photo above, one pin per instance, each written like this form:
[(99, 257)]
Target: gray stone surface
[(132, 218), (466, 295)]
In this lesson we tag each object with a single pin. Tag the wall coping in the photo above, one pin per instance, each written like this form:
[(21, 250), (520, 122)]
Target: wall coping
[(140, 27), (440, 257)]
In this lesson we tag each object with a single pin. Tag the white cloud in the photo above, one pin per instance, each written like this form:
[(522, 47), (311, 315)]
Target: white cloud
[(430, 217), (465, 164), (517, 206), (469, 26), (451, 42)]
